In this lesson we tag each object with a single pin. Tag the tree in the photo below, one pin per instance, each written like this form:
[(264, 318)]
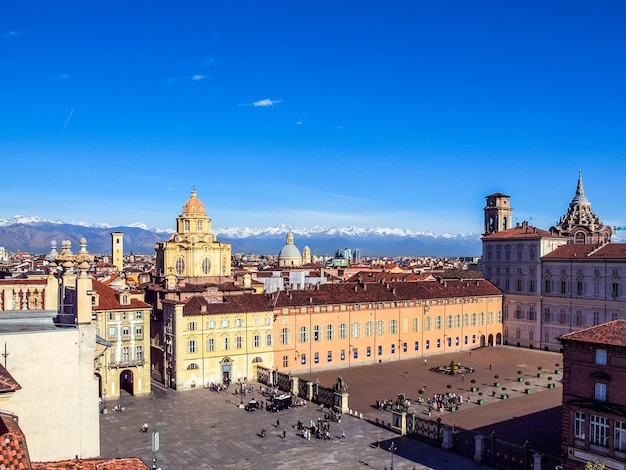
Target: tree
[(597, 465)]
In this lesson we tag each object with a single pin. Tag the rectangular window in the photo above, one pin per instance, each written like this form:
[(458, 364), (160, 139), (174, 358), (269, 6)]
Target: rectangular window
[(139, 353), (284, 336), (393, 348), (473, 319), (210, 344), (380, 327), (355, 353), (393, 327), (579, 288), (417, 345), (416, 324), (285, 361), (596, 289), (226, 343), (615, 289), (330, 356), (316, 333), (369, 351), (600, 392), (211, 324), (619, 436), (369, 328), (316, 357), (438, 343), (579, 425), (269, 339), (547, 317), (126, 353), (343, 331), (256, 341), (343, 354), (330, 332), (449, 321), (428, 323), (563, 287), (138, 315), (238, 342), (548, 286), (531, 285), (427, 344), (191, 346), (225, 324), (380, 350), (438, 322), (599, 430), (601, 357), (356, 329), (303, 358), (304, 334), (520, 284)]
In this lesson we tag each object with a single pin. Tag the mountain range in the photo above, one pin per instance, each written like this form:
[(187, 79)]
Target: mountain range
[(34, 235)]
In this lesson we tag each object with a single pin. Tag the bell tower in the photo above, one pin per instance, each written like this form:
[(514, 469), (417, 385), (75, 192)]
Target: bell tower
[(498, 213)]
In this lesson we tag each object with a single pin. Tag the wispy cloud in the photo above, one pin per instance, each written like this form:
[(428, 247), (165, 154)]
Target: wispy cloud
[(208, 62), (13, 34), (197, 77), (62, 76), (262, 103)]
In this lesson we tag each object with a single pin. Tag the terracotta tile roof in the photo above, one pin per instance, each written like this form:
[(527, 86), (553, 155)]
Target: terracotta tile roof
[(371, 276), (93, 464), (520, 233), (345, 293), (612, 251), (10, 282), (7, 382), (612, 333), (13, 449), (109, 299)]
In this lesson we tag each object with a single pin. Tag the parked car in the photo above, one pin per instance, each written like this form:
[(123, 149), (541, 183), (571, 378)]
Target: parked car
[(280, 403), (252, 405)]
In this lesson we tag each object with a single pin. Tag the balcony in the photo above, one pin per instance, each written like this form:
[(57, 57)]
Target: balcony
[(124, 364)]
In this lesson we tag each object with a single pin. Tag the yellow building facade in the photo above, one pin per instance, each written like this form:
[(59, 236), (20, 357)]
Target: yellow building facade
[(122, 319), (217, 343)]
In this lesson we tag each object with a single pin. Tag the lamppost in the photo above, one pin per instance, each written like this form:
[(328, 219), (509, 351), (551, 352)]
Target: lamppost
[(392, 449)]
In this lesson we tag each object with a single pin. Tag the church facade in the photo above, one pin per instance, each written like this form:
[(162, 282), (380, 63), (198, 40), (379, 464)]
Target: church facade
[(193, 251)]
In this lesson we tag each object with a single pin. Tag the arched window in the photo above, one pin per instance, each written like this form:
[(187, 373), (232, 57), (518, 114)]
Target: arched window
[(193, 366), (579, 238), (186, 225), (180, 265), (206, 265)]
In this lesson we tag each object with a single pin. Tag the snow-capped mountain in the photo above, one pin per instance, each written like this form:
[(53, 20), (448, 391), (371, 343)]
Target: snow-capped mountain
[(34, 234)]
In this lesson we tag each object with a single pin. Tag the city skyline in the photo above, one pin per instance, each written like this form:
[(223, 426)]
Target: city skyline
[(359, 114)]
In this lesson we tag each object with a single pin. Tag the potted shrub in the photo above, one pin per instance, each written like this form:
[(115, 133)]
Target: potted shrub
[(520, 378), (539, 374), (474, 387), (557, 371), (550, 383), (449, 387), (527, 390), (480, 400), (496, 383), (504, 396)]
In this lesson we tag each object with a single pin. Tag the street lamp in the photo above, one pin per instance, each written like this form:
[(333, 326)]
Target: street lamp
[(392, 449)]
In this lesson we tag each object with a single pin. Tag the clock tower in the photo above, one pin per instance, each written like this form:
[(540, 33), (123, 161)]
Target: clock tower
[(498, 213)]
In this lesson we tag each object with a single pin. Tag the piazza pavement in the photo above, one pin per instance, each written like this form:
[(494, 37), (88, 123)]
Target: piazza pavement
[(202, 429)]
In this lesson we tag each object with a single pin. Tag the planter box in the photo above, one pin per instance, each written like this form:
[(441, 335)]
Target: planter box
[(504, 396)]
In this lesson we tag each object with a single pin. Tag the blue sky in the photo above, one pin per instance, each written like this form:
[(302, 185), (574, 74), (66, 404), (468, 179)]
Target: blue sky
[(401, 114)]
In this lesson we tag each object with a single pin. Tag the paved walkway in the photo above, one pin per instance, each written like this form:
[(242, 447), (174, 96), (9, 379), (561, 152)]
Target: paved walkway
[(203, 429)]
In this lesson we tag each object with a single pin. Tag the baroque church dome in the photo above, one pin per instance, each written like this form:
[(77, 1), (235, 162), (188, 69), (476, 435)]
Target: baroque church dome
[(289, 255)]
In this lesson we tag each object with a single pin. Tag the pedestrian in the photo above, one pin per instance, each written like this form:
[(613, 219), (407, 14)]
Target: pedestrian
[(277, 423), (489, 366), (284, 433), (462, 377), (406, 372), (425, 361)]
